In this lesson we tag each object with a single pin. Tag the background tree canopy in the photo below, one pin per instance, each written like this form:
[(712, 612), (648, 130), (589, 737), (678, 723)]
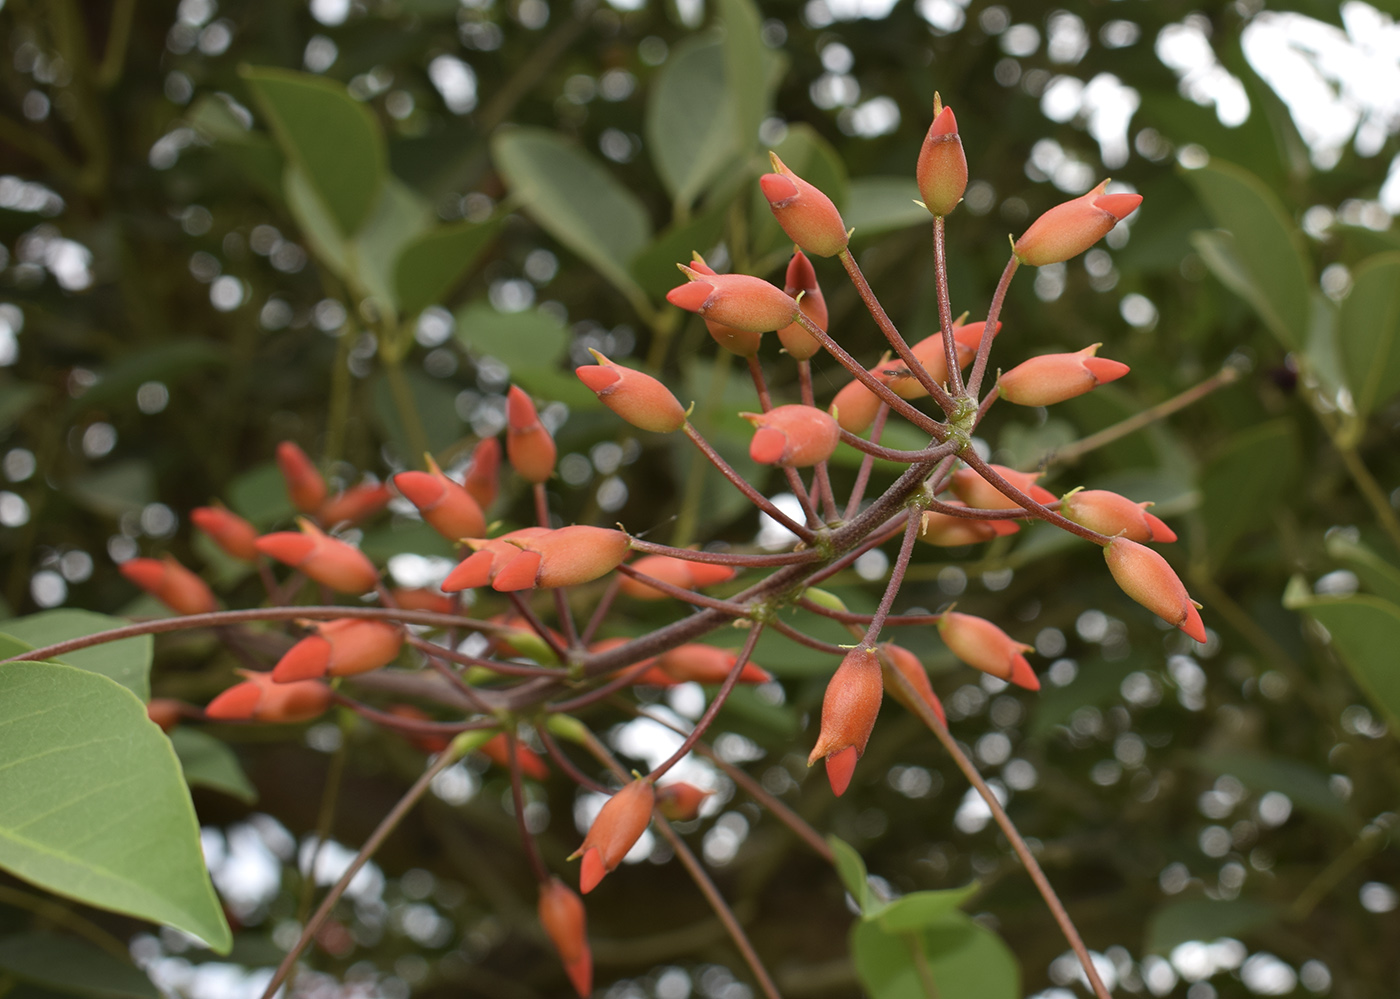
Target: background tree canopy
[(353, 225)]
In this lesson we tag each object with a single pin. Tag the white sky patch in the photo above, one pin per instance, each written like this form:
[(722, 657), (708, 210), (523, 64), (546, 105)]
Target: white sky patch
[(1185, 49)]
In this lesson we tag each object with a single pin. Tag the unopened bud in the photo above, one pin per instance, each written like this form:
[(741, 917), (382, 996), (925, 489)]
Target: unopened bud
[(1052, 378), (488, 557), (171, 583), (793, 436), (805, 213), (906, 664), (801, 279), (855, 407), (738, 300), (497, 750), (563, 918), (1069, 229), (1147, 578), (944, 530), (680, 802), (697, 662), (447, 507), (230, 532), (484, 473), (1114, 515), (529, 446), (984, 646), (355, 505), (638, 398), (980, 494), (258, 698), (343, 647), (618, 826), (564, 557), (849, 708), (942, 167), (327, 560), (305, 485)]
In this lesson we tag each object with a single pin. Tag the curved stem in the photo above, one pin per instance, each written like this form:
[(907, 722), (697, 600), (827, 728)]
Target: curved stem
[(517, 797), (462, 659), (523, 608), (1031, 507), (753, 495), (556, 753), (823, 474), (680, 593), (410, 726), (893, 454), (984, 349), (726, 558), (789, 632), (867, 464), (901, 566), (945, 306)]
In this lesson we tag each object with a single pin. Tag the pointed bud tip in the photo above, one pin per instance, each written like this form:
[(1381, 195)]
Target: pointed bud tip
[(306, 660), (419, 488), (1120, 206), (597, 376), (777, 188), (592, 870), (286, 546), (1022, 675), (519, 573), (839, 769), (691, 297), (945, 123), (768, 446)]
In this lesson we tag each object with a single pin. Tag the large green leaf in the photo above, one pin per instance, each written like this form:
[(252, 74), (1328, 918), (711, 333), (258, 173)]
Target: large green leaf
[(519, 340), (923, 908), (881, 204), (745, 69), (1267, 247), (92, 802), (1369, 332), (1365, 632), (316, 223), (208, 762), (1204, 919), (1303, 784), (400, 216), (74, 966), (851, 869), (1246, 479), (128, 661), (965, 961), (1375, 573), (429, 266), (334, 139), (690, 118), (576, 200)]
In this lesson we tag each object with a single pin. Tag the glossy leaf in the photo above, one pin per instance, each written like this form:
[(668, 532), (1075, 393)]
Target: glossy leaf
[(1369, 332), (1245, 480), (1206, 920), (334, 139), (882, 204), (964, 959), (128, 661), (522, 341), (209, 762), (919, 909), (745, 62), (851, 869), (690, 118), (92, 802), (1376, 574), (73, 965), (433, 263), (1364, 632)]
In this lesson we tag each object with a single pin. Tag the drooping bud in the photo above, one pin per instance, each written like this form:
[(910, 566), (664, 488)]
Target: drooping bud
[(944, 530), (171, 583), (984, 646), (907, 665), (232, 533), (738, 300), (942, 167), (1113, 515), (497, 750), (529, 446), (676, 571), (305, 485), (327, 560), (638, 398), (565, 557), (793, 436), (343, 647), (618, 826), (484, 473), (805, 213), (563, 918), (980, 494), (849, 707), (447, 507), (1052, 378), (356, 505), (801, 280), (680, 802), (1147, 578), (855, 407), (258, 698), (697, 662), (488, 557), (1069, 229)]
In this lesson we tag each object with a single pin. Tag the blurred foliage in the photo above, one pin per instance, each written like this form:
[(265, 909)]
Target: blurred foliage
[(228, 225)]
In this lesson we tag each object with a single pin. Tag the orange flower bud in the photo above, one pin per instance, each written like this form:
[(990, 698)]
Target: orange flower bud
[(932, 355), (258, 698), (1111, 514), (171, 583), (849, 707), (901, 660), (969, 338), (305, 485), (738, 300), (801, 280), (942, 167), (529, 446), (497, 750), (165, 712), (618, 826), (855, 407), (944, 530), (982, 645), (805, 213), (564, 557), (793, 436), (423, 600), (1069, 229), (229, 531), (488, 558), (980, 494), (1052, 378), (638, 398), (1147, 578), (447, 507), (327, 560), (483, 474), (355, 505), (342, 647), (739, 342), (563, 918), (697, 662), (677, 572), (680, 802), (427, 743)]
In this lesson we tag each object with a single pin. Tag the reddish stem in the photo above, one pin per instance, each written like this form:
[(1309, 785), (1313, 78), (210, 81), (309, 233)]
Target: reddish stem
[(867, 464), (754, 496), (689, 596), (945, 306), (984, 349)]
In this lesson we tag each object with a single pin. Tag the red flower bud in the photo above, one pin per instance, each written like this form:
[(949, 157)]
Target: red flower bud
[(697, 662), (849, 708), (528, 445), (904, 662), (680, 802), (258, 698), (801, 280), (355, 505), (855, 407), (171, 583), (738, 300), (447, 507), (327, 560), (305, 485), (488, 558), (497, 750), (342, 647), (742, 343), (982, 645), (793, 436), (165, 712), (969, 338), (677, 572), (980, 494), (1111, 514), (1052, 378), (229, 531), (563, 918), (423, 600), (638, 398), (428, 743), (942, 167), (1145, 576), (944, 530), (618, 826), (483, 474), (1069, 229), (805, 213), (565, 557)]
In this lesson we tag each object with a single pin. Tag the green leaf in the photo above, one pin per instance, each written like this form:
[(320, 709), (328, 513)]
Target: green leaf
[(745, 69), (436, 404), (882, 204), (333, 138), (316, 223), (127, 661), (16, 399), (1303, 784), (75, 965), (923, 908), (208, 762), (432, 264), (655, 267), (92, 802), (1268, 249), (1245, 480), (1364, 632), (400, 216), (1376, 574), (118, 487), (519, 340), (690, 119), (965, 961), (851, 869), (1206, 920), (1369, 329), (260, 496), (576, 200)]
